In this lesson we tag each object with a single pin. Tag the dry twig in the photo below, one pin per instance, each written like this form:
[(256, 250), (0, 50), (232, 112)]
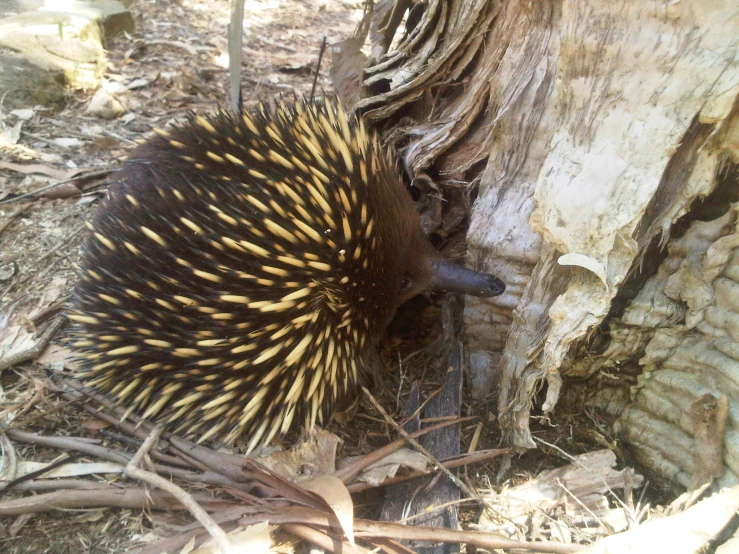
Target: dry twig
[(80, 177), (464, 460), (350, 471), (11, 483), (34, 351), (133, 470), (9, 457), (14, 214), (413, 442)]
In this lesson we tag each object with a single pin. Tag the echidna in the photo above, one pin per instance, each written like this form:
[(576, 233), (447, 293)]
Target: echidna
[(240, 271)]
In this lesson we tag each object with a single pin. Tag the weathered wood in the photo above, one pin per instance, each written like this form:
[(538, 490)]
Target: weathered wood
[(397, 497), (444, 443), (418, 496), (591, 128), (66, 38)]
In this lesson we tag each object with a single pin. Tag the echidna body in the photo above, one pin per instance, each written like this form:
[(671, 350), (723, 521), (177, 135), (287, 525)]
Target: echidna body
[(240, 272)]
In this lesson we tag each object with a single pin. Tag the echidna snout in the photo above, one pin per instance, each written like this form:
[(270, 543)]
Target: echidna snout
[(240, 271)]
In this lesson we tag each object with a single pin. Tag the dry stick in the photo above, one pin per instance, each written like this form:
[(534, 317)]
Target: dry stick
[(390, 546), (413, 442), (383, 529), (88, 446), (46, 313), (318, 68), (177, 543), (46, 485), (80, 177), (33, 352), (577, 462), (18, 211), (422, 406), (427, 512), (68, 443), (183, 460), (322, 540), (156, 454), (686, 499), (186, 456), (371, 529), (9, 455), (629, 497), (475, 438), (451, 463), (228, 515), (226, 518), (349, 472), (109, 497), (131, 430), (30, 476), (134, 427), (132, 470)]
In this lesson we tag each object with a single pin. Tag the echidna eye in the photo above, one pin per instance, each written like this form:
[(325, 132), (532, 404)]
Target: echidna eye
[(405, 283)]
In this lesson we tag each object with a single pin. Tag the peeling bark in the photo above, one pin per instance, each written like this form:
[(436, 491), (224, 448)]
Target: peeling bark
[(591, 128)]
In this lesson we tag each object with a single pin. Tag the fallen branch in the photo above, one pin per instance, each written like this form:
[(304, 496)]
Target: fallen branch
[(133, 470), (372, 529), (81, 177), (11, 483), (34, 351), (322, 540), (92, 498)]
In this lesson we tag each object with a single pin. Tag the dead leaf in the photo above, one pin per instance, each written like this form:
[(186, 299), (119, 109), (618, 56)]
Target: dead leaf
[(684, 533), (67, 190), (91, 516), (315, 456), (24, 114), (337, 496), (55, 355), (586, 262), (18, 524), (10, 135), (67, 142), (188, 547), (28, 169), (95, 424), (388, 466), (347, 63), (51, 294), (68, 470), (254, 539)]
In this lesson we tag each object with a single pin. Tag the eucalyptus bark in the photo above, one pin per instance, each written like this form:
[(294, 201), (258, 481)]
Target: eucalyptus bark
[(589, 130)]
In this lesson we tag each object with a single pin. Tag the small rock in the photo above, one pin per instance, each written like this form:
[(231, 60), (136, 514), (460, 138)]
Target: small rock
[(105, 106)]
